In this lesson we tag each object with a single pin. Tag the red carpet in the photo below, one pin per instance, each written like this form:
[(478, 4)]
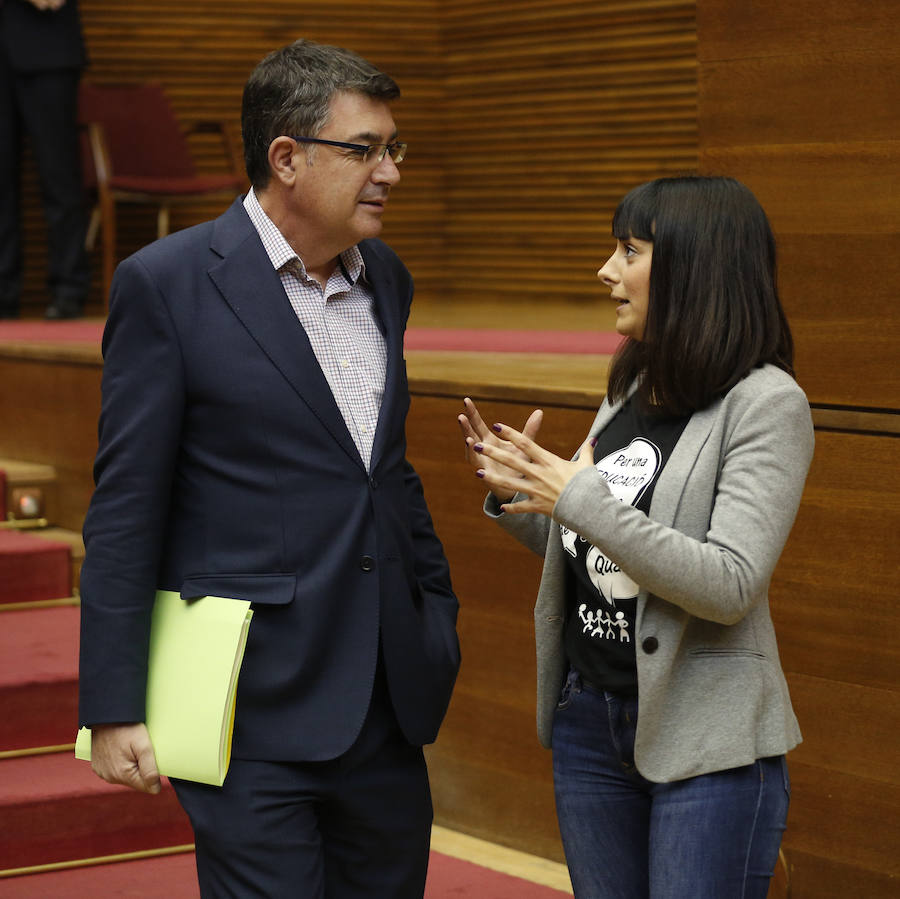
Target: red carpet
[(485, 341), (174, 877), (169, 877), (33, 569), (55, 809), (38, 677)]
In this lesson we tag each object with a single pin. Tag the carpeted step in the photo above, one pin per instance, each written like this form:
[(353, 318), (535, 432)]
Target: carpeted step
[(33, 569), (75, 543), (166, 877), (54, 809), (38, 677)]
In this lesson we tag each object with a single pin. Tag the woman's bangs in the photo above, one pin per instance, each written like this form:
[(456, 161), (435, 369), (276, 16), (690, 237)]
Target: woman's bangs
[(636, 213)]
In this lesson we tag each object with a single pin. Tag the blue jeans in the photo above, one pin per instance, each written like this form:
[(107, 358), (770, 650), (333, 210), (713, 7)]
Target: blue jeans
[(715, 836)]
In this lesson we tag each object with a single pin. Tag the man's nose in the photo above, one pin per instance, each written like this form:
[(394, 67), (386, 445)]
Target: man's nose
[(386, 172)]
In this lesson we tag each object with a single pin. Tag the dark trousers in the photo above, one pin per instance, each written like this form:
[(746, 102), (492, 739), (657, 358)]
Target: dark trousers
[(43, 106), (357, 827)]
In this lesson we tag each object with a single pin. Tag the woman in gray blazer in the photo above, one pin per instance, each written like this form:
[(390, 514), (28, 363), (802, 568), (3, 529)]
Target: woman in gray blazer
[(660, 690)]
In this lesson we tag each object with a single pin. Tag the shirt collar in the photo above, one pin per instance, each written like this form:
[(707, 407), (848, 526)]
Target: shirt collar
[(280, 252)]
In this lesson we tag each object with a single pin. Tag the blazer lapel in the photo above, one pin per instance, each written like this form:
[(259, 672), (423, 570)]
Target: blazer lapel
[(253, 290), (677, 472)]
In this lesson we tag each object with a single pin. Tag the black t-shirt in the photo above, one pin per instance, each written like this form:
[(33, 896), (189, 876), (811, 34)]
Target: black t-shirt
[(601, 599)]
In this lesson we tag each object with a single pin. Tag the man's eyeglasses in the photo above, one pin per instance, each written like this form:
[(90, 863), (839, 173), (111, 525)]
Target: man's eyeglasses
[(364, 152)]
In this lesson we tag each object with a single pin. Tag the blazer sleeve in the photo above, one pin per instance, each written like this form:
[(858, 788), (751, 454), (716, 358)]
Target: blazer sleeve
[(140, 423), (531, 530), (719, 572)]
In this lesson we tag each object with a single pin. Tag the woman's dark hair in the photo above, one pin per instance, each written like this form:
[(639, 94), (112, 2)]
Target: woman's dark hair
[(290, 93), (714, 312)]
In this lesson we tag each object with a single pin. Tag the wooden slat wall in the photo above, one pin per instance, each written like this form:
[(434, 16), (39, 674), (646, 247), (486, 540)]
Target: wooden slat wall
[(202, 52), (554, 110), (526, 121), (802, 102)]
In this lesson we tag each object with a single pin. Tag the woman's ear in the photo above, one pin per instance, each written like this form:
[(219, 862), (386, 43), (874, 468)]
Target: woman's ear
[(281, 159)]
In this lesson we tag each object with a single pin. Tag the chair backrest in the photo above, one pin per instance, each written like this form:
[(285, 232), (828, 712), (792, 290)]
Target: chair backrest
[(142, 133)]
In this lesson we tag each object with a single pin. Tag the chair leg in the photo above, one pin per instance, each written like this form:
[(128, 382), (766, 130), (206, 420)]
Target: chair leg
[(90, 238), (108, 230), (162, 221)]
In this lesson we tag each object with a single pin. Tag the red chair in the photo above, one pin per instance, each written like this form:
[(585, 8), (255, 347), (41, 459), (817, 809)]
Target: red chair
[(136, 152)]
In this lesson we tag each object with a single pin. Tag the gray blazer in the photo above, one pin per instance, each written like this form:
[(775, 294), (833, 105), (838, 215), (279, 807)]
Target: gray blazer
[(711, 690)]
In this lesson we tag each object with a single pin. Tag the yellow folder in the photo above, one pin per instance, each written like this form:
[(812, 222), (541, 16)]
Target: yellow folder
[(196, 648)]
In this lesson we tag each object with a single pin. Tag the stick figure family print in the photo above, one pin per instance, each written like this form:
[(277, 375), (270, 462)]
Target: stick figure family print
[(629, 471)]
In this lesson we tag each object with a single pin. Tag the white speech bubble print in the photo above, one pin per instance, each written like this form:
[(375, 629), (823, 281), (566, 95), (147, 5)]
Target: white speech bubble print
[(628, 471)]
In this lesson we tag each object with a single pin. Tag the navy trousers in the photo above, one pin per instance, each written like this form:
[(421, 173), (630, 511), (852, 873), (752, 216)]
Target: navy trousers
[(357, 826)]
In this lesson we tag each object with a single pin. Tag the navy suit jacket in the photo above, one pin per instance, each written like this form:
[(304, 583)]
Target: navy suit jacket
[(225, 468)]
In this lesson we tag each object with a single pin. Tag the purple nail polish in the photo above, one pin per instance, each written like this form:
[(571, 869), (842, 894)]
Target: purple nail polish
[(497, 428), (479, 447), (479, 473), (593, 441)]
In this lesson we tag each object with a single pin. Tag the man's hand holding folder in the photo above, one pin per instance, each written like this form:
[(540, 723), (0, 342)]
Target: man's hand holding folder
[(123, 754), (197, 642)]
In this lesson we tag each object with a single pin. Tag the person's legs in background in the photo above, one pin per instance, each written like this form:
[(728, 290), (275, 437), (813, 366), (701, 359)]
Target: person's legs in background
[(49, 104), (10, 195)]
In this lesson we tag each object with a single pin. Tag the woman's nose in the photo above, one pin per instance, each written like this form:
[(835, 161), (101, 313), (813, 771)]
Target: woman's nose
[(606, 273)]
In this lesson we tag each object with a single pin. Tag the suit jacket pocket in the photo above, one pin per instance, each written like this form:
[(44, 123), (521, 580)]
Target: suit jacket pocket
[(266, 589)]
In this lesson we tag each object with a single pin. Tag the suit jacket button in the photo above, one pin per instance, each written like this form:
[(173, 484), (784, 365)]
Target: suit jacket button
[(373, 481), (650, 645), (367, 563)]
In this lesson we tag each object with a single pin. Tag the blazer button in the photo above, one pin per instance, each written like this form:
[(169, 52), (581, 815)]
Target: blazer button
[(650, 645), (373, 482), (367, 563)]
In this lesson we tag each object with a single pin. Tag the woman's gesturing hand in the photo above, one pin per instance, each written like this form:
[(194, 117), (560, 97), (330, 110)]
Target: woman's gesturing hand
[(477, 433), (511, 462)]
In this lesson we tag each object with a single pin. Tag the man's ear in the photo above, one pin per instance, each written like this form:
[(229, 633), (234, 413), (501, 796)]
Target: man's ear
[(281, 159)]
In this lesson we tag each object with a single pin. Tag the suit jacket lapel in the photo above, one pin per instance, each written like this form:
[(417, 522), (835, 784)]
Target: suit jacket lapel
[(253, 290), (386, 307)]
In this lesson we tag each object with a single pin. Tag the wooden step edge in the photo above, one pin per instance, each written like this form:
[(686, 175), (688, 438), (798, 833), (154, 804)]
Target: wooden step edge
[(62, 535), (97, 860), (19, 472), (36, 750), (40, 604), (503, 859)]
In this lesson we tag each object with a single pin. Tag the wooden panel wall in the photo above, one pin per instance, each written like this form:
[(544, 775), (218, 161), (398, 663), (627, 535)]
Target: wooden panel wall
[(202, 52), (834, 605), (802, 102), (526, 121), (553, 111)]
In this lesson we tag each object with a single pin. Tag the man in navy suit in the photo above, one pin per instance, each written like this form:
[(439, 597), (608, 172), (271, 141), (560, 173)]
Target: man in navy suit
[(41, 57), (252, 446)]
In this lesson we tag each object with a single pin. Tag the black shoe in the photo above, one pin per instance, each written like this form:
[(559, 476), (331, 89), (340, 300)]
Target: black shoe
[(60, 311)]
